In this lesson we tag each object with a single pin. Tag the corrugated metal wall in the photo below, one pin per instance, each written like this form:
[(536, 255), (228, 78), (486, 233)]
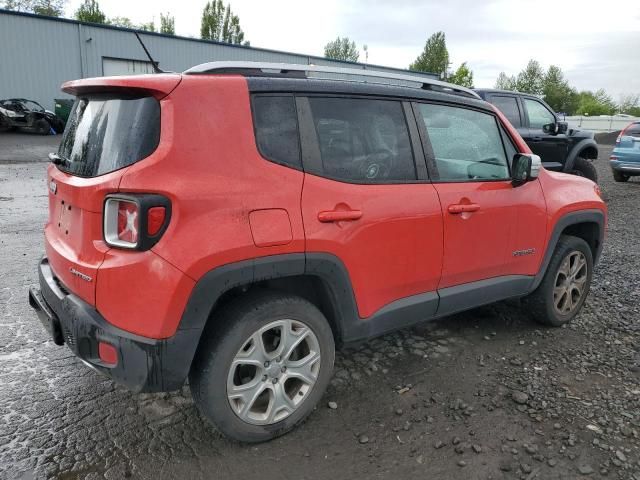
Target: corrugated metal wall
[(38, 54)]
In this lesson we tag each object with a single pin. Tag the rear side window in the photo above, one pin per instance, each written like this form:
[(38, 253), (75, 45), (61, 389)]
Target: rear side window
[(508, 106), (105, 134), (276, 127), (467, 144), (363, 140)]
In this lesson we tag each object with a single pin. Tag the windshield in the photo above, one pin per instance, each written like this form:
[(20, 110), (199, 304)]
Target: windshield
[(33, 106), (105, 134)]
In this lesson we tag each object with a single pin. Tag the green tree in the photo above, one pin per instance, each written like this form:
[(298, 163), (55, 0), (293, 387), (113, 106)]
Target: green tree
[(18, 5), (342, 49), (595, 103), (89, 11), (124, 22), (531, 79), (505, 82), (167, 24), (149, 26), (557, 92), (629, 103), (463, 76), (51, 8), (219, 23), (435, 56)]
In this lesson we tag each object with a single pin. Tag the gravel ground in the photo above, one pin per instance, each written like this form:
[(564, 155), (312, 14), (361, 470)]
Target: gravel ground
[(486, 394)]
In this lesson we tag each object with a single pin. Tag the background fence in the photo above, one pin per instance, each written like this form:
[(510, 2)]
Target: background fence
[(605, 123)]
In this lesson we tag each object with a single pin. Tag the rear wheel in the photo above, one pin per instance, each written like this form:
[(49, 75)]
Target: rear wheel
[(42, 127), (264, 367), (565, 285), (585, 168), (619, 176)]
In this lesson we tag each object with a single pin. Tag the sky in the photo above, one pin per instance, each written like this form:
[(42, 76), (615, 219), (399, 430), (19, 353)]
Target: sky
[(596, 43)]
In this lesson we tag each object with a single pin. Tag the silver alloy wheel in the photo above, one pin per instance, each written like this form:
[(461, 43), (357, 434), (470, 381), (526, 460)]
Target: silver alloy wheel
[(570, 283), (273, 372)]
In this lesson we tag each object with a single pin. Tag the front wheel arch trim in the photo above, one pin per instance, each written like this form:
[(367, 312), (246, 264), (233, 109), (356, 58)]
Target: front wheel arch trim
[(571, 219)]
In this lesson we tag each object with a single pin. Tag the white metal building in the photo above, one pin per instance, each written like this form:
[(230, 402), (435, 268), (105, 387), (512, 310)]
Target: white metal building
[(38, 54)]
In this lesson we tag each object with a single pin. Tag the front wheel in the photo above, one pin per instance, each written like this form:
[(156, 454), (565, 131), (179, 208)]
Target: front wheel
[(264, 367), (565, 286), (585, 168)]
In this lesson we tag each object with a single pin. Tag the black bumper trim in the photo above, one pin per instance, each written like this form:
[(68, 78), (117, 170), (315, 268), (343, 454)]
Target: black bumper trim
[(144, 364)]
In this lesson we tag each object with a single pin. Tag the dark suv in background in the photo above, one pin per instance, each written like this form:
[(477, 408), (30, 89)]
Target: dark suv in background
[(561, 148)]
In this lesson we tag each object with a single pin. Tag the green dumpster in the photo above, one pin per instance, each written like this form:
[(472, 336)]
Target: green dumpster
[(63, 108)]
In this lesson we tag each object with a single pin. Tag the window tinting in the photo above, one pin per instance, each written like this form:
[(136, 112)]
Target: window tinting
[(508, 106), (276, 127), (363, 140), (538, 114), (467, 144), (105, 134)]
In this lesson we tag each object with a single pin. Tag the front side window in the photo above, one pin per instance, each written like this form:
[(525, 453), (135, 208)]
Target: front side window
[(276, 126), (509, 107), (467, 144), (538, 114), (363, 140)]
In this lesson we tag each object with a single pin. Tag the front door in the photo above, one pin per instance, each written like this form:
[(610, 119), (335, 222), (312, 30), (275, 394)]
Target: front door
[(551, 148), (364, 201), (468, 158)]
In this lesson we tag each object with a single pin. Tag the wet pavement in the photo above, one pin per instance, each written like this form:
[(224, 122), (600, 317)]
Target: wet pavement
[(21, 147)]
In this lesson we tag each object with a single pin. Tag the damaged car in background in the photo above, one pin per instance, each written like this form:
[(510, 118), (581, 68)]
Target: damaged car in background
[(29, 116)]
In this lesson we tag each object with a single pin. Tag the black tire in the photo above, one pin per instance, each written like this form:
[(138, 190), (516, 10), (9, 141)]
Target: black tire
[(540, 303), (619, 176), (42, 127), (234, 325), (585, 168)]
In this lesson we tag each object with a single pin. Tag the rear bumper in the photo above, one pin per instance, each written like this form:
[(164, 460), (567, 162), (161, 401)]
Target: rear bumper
[(143, 364), (632, 168)]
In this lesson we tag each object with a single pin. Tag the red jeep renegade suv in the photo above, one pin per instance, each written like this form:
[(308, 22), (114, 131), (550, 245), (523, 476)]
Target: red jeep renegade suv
[(233, 223)]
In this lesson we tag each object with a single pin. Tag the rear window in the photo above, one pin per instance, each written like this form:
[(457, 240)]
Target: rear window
[(633, 130), (105, 134)]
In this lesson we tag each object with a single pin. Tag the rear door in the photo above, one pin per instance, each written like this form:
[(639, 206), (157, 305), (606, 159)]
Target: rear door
[(365, 201), (104, 135)]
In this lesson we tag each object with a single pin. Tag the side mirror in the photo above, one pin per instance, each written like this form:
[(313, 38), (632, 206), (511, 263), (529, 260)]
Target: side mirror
[(524, 168), (563, 127), (550, 128)]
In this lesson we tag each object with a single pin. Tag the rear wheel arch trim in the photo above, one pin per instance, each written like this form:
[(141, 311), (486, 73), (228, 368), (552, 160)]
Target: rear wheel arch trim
[(220, 280), (593, 216)]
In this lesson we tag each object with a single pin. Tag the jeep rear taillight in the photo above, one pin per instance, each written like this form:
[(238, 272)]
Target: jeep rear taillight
[(135, 221)]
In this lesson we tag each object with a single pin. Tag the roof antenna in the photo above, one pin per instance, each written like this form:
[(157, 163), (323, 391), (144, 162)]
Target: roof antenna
[(156, 69)]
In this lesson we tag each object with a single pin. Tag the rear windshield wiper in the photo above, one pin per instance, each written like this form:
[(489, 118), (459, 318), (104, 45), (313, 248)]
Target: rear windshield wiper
[(58, 160)]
